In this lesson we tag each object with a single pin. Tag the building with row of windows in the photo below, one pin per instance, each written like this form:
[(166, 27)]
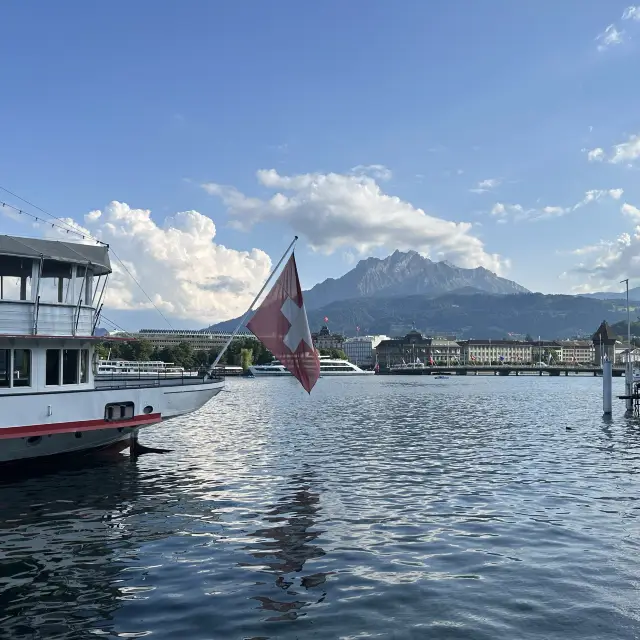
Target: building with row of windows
[(199, 340), (362, 350), (415, 347), (324, 339)]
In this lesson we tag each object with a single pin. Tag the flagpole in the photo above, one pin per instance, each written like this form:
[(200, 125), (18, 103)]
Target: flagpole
[(250, 309)]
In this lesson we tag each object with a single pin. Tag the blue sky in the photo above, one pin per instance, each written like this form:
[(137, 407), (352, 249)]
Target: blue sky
[(481, 113)]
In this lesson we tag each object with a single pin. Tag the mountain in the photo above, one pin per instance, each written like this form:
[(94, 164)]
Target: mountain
[(468, 314), (405, 273), (634, 294)]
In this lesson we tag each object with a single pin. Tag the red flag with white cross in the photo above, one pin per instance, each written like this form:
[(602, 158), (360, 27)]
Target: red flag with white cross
[(281, 324)]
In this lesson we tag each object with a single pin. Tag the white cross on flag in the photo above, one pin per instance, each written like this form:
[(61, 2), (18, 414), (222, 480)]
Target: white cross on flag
[(281, 324)]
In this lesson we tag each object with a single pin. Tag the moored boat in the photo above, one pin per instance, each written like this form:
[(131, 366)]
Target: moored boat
[(328, 367), (52, 398)]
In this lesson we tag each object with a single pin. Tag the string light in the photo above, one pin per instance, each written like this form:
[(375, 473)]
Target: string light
[(68, 229)]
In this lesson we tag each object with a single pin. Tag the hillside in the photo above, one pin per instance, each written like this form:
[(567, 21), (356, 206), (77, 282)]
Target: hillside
[(466, 314), (634, 295)]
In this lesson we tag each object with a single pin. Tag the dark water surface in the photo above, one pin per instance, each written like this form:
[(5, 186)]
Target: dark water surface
[(381, 507)]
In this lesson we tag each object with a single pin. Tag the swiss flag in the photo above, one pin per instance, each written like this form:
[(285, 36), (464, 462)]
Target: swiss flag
[(281, 324)]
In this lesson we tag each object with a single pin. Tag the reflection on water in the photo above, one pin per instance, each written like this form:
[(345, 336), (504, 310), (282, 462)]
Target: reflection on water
[(467, 508), (285, 547)]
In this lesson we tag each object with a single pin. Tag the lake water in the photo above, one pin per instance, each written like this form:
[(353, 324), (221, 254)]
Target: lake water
[(379, 507)]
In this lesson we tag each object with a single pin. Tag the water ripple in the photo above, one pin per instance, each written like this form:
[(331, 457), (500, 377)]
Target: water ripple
[(377, 508)]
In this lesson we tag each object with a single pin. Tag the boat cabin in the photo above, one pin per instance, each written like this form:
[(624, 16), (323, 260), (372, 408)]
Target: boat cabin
[(50, 294)]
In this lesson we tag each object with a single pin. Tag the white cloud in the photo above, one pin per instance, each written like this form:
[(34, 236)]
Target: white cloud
[(378, 171), (595, 155), (631, 211), (594, 195), (610, 262), (178, 263), (631, 13), (624, 152), (609, 37), (486, 185), (519, 213), (340, 212)]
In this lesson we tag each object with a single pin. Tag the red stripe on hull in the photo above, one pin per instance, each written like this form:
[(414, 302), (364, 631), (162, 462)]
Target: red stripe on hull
[(71, 427)]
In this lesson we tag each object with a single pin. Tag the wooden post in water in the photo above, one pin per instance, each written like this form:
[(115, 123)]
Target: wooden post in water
[(607, 376)]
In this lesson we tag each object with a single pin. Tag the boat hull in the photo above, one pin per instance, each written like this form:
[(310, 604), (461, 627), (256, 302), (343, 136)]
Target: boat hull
[(74, 422)]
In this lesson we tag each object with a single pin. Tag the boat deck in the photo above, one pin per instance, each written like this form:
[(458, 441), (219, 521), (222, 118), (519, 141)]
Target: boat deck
[(118, 381)]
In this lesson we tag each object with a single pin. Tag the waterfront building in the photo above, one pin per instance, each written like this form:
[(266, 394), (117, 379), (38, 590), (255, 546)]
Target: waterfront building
[(622, 352), (362, 350), (324, 339), (486, 351), (577, 352), (415, 347), (199, 340)]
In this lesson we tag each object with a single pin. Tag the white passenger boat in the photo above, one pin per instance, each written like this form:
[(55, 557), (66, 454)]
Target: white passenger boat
[(328, 367), (149, 368), (51, 400)]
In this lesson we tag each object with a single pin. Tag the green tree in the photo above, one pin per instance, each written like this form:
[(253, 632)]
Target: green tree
[(141, 350), (338, 354), (246, 358), (183, 355)]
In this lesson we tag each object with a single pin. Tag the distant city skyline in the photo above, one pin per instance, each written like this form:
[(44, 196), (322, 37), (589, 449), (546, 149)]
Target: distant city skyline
[(198, 138)]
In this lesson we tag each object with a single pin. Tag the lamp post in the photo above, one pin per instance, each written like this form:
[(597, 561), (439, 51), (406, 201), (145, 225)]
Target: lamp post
[(628, 373)]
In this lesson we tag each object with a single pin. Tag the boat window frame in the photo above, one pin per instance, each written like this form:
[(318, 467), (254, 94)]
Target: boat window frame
[(80, 379), (29, 369)]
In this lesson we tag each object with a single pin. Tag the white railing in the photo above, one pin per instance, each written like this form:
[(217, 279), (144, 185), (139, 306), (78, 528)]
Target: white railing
[(20, 317)]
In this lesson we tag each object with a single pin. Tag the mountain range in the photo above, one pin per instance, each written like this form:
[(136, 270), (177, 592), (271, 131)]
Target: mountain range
[(388, 296), (634, 294), (406, 273)]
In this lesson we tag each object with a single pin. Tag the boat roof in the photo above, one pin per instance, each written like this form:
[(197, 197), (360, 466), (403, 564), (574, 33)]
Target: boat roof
[(70, 252)]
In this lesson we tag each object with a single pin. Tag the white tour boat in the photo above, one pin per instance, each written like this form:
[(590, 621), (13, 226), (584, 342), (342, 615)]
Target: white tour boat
[(51, 400), (328, 367), (149, 368)]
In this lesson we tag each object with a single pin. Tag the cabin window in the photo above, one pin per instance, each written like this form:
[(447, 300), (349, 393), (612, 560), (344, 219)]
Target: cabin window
[(15, 281), (5, 367), (70, 366), (22, 367), (84, 366), (52, 367), (55, 283)]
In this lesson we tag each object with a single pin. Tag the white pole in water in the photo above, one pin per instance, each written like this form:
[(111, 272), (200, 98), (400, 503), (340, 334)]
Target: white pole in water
[(250, 309), (607, 378), (628, 372)]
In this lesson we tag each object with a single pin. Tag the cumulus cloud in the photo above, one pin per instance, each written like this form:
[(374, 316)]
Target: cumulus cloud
[(518, 212), (186, 274), (631, 211), (609, 261), (340, 212), (609, 37), (631, 13)]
